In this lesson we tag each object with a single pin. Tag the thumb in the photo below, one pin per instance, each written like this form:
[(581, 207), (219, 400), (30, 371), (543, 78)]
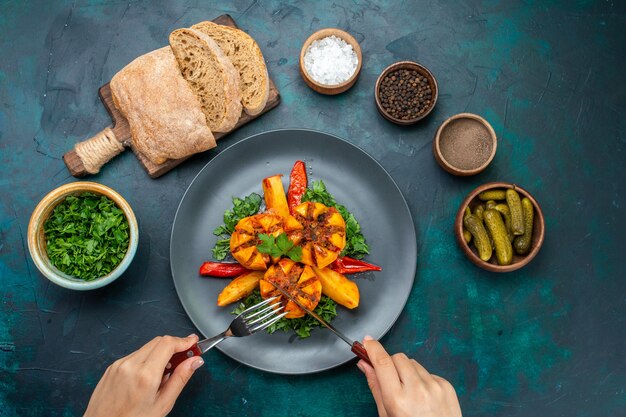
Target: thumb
[(173, 386), (372, 382)]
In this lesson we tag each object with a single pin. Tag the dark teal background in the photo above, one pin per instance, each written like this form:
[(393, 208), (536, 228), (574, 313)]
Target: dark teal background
[(548, 340)]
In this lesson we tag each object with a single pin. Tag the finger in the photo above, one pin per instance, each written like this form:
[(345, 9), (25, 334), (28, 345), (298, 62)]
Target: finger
[(172, 387), (158, 341), (443, 383), (424, 375), (384, 367), (372, 382), (143, 352), (166, 347), (407, 372), (165, 378)]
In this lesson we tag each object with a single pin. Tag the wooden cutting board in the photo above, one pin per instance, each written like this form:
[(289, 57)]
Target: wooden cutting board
[(121, 128)]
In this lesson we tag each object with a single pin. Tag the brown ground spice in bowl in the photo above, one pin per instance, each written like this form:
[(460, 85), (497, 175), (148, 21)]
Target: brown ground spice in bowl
[(465, 144)]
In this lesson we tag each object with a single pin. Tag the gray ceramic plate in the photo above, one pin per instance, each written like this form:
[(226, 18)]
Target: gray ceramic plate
[(358, 182)]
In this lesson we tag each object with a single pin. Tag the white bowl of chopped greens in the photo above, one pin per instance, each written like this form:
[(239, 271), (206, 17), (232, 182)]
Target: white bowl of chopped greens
[(82, 235)]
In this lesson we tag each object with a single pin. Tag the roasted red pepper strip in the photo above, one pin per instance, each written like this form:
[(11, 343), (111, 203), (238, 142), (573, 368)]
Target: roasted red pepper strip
[(297, 185), (222, 269), (346, 265)]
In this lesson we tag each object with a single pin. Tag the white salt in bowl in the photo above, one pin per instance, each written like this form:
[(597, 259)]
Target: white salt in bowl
[(330, 89)]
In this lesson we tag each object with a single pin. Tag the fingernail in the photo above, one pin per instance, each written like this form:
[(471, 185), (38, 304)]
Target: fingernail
[(368, 337), (360, 366), (192, 335), (197, 363)]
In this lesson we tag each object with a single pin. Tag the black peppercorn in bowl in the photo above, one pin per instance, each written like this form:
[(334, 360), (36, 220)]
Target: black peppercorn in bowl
[(406, 92)]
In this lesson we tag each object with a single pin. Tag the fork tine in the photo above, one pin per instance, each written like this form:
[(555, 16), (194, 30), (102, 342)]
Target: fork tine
[(264, 310), (261, 304), (266, 316), (268, 323)]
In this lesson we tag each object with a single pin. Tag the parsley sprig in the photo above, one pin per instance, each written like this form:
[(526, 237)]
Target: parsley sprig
[(326, 309), (248, 206), (279, 246), (355, 241)]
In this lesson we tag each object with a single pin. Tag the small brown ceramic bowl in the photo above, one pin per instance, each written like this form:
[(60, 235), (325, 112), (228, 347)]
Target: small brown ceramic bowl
[(37, 239), (413, 66), (465, 144), (519, 261), (327, 88)]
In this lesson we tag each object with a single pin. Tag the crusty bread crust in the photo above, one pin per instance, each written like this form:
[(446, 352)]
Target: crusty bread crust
[(247, 58), (211, 75), (165, 116)]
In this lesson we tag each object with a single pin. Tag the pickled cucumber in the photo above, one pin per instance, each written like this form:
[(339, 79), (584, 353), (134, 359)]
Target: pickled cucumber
[(466, 234), (481, 238), (478, 212), (490, 204), (517, 215), (480, 209), (492, 195), (522, 243), (497, 230), (506, 213)]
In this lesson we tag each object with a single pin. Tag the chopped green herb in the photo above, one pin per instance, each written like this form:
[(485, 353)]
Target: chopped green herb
[(221, 249), (248, 206), (87, 236), (355, 241), (279, 246), (326, 309)]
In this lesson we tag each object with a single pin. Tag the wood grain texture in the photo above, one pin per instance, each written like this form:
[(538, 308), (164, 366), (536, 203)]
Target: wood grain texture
[(121, 128)]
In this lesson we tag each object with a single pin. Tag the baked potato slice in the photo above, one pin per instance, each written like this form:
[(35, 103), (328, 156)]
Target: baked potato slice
[(245, 238), (339, 288), (240, 287), (299, 281), (274, 194), (323, 233), (276, 202)]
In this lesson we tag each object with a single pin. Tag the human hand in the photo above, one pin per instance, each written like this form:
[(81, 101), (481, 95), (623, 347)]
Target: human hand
[(402, 387), (134, 385)]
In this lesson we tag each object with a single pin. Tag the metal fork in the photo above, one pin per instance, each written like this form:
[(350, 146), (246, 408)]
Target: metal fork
[(251, 320)]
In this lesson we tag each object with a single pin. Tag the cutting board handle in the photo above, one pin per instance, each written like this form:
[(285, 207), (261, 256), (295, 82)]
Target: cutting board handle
[(90, 155)]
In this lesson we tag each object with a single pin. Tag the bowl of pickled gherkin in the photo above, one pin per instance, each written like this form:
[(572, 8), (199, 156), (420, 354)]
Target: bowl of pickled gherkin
[(500, 227)]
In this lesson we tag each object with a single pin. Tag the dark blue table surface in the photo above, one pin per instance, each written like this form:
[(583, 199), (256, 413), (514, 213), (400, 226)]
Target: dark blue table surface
[(548, 340)]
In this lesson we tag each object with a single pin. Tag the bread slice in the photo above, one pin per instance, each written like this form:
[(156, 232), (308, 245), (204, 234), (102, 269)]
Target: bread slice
[(165, 116), (211, 76), (247, 58)]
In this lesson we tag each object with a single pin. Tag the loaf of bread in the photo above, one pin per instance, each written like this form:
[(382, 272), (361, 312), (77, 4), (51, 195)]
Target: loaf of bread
[(247, 58), (211, 76), (164, 114)]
